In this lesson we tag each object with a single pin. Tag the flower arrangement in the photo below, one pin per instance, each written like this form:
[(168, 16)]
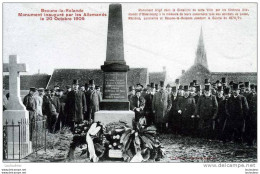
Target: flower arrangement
[(137, 144)]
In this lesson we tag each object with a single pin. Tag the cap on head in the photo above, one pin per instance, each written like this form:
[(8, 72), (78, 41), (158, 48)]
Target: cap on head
[(226, 90), (235, 86), (41, 89), (186, 88), (220, 88), (207, 87), (223, 80), (174, 89), (33, 89), (195, 82), (162, 83), (75, 82), (91, 82)]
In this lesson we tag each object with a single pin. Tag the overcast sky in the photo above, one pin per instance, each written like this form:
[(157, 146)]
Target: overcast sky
[(231, 46)]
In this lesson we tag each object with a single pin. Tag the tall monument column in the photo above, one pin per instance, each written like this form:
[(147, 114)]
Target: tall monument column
[(115, 105), (115, 68)]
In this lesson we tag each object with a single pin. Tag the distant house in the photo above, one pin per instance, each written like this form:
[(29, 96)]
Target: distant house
[(199, 71), (63, 77)]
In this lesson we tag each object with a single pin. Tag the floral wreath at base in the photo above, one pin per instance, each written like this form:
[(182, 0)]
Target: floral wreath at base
[(137, 144)]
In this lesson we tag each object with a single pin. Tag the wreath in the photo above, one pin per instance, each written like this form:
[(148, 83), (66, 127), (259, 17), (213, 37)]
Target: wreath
[(136, 144)]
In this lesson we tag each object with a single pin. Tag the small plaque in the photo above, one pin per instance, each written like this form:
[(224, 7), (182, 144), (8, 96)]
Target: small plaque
[(115, 153)]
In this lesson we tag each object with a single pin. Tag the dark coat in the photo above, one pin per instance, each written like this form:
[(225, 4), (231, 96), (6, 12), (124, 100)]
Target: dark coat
[(75, 106), (187, 106), (207, 107), (162, 105), (93, 98), (30, 104), (46, 105), (56, 102), (148, 108), (237, 107), (134, 103)]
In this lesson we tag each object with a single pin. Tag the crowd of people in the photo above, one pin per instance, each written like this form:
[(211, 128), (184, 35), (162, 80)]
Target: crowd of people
[(220, 111)]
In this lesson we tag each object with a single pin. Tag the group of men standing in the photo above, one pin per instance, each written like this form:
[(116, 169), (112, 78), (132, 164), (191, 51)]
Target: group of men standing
[(222, 111), (63, 107)]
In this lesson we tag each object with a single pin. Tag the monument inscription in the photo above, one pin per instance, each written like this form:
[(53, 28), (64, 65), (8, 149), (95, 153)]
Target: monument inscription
[(115, 85)]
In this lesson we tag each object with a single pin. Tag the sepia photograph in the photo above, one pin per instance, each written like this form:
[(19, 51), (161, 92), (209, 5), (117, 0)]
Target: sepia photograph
[(130, 82)]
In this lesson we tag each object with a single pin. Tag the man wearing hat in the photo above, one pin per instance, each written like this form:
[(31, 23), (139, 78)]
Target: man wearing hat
[(131, 92), (161, 107), (156, 88), (67, 89), (152, 88), (75, 106), (237, 110), (47, 107), (174, 119), (137, 104), (62, 115), (247, 90), (30, 104), (55, 109), (206, 110), (39, 103), (186, 109), (168, 88), (148, 110), (217, 124), (251, 120), (93, 98)]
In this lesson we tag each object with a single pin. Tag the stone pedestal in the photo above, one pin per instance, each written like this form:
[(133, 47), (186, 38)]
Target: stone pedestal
[(15, 116), (106, 117)]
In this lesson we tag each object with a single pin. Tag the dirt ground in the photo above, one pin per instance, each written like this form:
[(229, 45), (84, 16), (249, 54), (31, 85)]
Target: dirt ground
[(177, 149)]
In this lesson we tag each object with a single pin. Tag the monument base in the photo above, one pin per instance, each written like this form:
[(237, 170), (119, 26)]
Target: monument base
[(106, 117), (13, 117)]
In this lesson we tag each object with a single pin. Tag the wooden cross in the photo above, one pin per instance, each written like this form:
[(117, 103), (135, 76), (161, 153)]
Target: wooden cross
[(14, 69)]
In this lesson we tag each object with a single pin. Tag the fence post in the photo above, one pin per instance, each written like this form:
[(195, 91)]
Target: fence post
[(19, 126), (13, 136)]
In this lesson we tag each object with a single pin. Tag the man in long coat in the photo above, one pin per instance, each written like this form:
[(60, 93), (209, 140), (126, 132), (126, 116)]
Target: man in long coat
[(161, 107), (148, 108), (186, 109), (30, 104), (75, 106), (173, 117), (237, 111), (93, 99), (206, 110)]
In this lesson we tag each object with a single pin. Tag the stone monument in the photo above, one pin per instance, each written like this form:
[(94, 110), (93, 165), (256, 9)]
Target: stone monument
[(115, 105), (16, 111)]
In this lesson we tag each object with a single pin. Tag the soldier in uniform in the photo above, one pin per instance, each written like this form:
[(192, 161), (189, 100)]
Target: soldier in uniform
[(75, 106), (206, 110), (131, 92), (186, 109), (148, 110), (93, 100), (30, 104), (161, 107), (237, 110), (137, 104)]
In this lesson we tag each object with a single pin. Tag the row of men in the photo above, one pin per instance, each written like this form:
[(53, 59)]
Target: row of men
[(63, 107), (227, 112)]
